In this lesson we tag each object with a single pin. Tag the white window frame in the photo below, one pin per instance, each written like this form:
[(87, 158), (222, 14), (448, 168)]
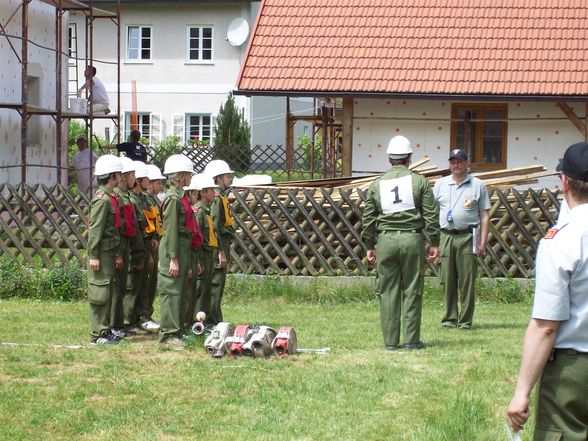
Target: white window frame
[(187, 117), (139, 60), (154, 125), (200, 60), (72, 34)]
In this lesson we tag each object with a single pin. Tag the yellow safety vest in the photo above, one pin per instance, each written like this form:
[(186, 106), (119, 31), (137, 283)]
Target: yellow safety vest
[(229, 221), (154, 223), (212, 242)]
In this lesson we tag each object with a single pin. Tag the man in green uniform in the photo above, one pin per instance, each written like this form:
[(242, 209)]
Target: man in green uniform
[(130, 242), (397, 208), (463, 215), (175, 249), (224, 225), (104, 249)]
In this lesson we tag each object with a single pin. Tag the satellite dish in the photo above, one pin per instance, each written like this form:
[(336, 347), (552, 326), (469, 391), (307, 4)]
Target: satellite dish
[(238, 32)]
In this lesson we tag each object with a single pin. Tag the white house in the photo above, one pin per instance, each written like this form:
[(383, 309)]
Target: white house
[(179, 66), (506, 81)]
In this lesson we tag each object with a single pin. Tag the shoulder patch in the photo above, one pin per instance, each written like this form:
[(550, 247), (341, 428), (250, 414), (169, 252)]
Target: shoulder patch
[(551, 233), (195, 209), (100, 194), (217, 193)]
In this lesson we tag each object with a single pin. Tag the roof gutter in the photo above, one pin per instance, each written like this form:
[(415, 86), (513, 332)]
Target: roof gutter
[(414, 96)]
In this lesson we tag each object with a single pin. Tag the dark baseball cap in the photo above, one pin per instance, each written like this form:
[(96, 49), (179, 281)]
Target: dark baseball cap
[(574, 164), (458, 154)]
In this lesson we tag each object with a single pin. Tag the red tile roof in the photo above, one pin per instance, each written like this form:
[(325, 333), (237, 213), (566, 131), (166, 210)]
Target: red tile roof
[(452, 47)]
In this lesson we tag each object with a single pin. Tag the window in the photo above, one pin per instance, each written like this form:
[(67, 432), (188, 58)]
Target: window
[(199, 44), (72, 43), (194, 127), (480, 129), (149, 124), (138, 43)]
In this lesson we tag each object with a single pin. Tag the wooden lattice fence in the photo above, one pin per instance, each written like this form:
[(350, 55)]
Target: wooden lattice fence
[(280, 231)]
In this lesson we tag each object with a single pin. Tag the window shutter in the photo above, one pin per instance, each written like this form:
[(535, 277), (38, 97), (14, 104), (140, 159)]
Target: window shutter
[(155, 127), (212, 127), (179, 130)]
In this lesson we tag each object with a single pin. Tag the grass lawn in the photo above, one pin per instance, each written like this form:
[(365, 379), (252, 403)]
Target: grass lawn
[(456, 389)]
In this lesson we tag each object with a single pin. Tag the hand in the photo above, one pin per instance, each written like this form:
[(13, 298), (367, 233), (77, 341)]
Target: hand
[(481, 249), (371, 256), (174, 268), (94, 264), (154, 244), (139, 266), (118, 262), (150, 262), (433, 254), (222, 260), (518, 412), (190, 274), (199, 269)]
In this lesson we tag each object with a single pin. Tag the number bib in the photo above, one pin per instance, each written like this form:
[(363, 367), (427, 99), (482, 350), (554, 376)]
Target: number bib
[(396, 194)]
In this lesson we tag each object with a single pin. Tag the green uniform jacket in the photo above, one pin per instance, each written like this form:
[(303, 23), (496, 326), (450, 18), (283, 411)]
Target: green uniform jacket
[(201, 212), (224, 233), (424, 215), (135, 243), (102, 235), (174, 225)]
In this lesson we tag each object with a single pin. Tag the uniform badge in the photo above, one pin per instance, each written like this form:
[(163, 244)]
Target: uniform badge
[(467, 203), (551, 233)]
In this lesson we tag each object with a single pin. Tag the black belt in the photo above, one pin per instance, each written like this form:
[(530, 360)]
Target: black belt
[(467, 230), (566, 351)]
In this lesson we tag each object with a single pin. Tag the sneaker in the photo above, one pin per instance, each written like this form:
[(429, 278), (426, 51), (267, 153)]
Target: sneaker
[(121, 332), (150, 326), (447, 325), (411, 346), (105, 338), (137, 330), (392, 347), (173, 341)]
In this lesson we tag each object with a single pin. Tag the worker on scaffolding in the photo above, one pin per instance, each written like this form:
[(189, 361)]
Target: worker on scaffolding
[(97, 91)]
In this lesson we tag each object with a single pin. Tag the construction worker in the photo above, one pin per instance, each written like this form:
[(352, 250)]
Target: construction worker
[(154, 224), (104, 256), (464, 208), (174, 249), (555, 348), (136, 284), (130, 239), (204, 195), (224, 226), (398, 206)]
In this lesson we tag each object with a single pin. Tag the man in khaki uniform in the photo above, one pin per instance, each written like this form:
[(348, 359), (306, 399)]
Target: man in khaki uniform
[(397, 208), (555, 349), (463, 215), (103, 249)]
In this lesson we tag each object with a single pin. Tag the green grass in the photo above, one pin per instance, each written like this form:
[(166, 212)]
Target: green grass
[(456, 389)]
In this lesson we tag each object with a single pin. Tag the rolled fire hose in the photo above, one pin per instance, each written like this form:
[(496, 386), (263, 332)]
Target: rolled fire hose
[(285, 342), (215, 342), (235, 343), (260, 343)]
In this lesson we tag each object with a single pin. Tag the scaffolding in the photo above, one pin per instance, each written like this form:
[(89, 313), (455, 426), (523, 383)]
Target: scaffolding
[(58, 114)]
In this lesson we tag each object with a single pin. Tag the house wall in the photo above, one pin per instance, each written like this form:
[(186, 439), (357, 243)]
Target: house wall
[(41, 69), (168, 85), (537, 134)]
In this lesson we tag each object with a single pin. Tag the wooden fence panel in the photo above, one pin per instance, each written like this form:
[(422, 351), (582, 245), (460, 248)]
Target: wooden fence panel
[(279, 230)]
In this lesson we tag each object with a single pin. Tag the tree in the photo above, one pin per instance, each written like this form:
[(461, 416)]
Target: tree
[(232, 136)]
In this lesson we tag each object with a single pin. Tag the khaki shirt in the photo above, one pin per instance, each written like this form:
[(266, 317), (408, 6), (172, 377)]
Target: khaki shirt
[(465, 201), (399, 201)]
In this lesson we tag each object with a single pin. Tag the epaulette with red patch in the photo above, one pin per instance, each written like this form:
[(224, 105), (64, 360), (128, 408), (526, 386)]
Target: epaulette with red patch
[(551, 233), (100, 194), (217, 193), (195, 209)]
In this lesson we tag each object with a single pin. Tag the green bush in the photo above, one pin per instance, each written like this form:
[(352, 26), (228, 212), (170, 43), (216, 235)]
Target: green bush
[(505, 291), (16, 280), (65, 282)]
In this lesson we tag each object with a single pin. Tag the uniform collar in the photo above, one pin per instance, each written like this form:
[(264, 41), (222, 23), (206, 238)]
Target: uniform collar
[(106, 190), (579, 211), (399, 167), (175, 190)]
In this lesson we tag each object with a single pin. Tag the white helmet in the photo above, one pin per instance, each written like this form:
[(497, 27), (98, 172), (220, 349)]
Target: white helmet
[(178, 164), (107, 164), (399, 147), (154, 173), (200, 182), (217, 167), (141, 170), (128, 165)]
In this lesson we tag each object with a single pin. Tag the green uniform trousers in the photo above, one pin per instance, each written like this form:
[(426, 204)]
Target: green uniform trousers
[(136, 289), (171, 291), (146, 313), (189, 296), (562, 406), (203, 297), (458, 274), (219, 277), (117, 312), (144, 303), (400, 267), (102, 286)]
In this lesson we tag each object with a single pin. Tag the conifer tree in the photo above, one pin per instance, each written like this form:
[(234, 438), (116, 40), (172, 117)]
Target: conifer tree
[(232, 136)]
